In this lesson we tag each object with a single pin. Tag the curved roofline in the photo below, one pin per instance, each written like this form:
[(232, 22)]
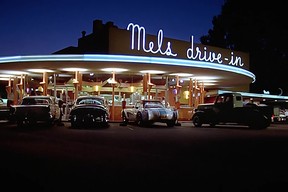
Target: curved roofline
[(130, 59)]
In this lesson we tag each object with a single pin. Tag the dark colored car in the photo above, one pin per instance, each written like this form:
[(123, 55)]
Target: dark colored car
[(89, 111)]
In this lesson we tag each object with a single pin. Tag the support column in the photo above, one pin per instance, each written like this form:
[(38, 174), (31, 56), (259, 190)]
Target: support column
[(196, 93), (167, 92), (20, 88), (55, 91), (9, 94), (149, 85), (15, 93), (76, 85), (145, 85), (44, 83), (202, 93), (190, 93), (178, 88), (113, 102), (113, 83)]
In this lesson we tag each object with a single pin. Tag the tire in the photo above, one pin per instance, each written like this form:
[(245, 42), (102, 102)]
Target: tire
[(170, 123), (212, 125), (258, 121), (124, 119), (197, 121), (139, 120), (73, 122), (50, 123), (104, 121), (30, 122), (19, 123)]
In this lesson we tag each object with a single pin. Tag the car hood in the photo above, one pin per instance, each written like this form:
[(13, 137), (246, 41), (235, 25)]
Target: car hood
[(100, 107), (160, 110)]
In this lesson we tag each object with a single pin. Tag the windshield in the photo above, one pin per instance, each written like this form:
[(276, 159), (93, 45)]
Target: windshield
[(85, 101), (153, 105), (35, 101)]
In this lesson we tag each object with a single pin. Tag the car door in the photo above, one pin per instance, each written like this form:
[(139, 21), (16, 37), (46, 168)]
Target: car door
[(132, 112)]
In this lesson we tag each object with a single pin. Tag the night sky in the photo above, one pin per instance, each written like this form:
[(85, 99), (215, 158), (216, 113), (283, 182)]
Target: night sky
[(36, 27)]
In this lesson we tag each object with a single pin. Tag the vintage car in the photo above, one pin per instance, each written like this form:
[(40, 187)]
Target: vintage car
[(36, 109), (229, 108), (147, 112), (89, 111), (4, 109)]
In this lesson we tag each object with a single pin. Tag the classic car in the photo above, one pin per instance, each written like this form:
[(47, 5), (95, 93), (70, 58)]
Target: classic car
[(147, 112), (4, 109), (36, 109), (229, 108), (89, 111)]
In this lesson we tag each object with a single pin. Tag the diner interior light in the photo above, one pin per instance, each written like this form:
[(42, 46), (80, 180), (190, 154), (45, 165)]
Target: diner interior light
[(4, 79), (40, 70), (74, 69), (114, 69), (5, 75), (206, 77), (132, 89), (182, 74), (152, 71), (11, 72)]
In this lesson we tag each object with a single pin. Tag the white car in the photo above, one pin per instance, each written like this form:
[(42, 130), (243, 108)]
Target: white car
[(147, 112), (34, 109)]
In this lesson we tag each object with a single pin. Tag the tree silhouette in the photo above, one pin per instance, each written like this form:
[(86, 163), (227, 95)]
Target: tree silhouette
[(260, 29)]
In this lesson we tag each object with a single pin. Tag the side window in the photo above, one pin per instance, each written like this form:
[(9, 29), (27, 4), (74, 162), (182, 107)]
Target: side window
[(238, 98), (228, 99), (220, 99)]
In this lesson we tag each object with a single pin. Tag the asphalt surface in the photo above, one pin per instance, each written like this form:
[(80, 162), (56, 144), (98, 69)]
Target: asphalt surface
[(131, 158)]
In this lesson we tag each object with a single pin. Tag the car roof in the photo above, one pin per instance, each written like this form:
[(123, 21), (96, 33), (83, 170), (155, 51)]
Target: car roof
[(38, 96), (145, 101)]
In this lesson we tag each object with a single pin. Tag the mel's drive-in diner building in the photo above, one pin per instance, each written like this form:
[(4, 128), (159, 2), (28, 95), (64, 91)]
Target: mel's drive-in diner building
[(129, 64)]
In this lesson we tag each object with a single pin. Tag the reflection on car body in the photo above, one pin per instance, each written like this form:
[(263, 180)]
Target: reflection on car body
[(89, 111), (147, 112)]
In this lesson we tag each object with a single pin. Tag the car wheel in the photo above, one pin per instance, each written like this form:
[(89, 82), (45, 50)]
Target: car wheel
[(50, 123), (124, 119), (139, 119), (212, 124), (170, 123), (104, 120), (19, 123), (197, 121), (29, 122), (73, 121)]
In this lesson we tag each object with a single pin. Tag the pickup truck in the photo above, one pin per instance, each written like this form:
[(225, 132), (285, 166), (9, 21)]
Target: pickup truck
[(36, 109), (229, 108)]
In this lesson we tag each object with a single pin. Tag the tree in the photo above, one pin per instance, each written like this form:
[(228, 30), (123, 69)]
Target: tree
[(260, 29)]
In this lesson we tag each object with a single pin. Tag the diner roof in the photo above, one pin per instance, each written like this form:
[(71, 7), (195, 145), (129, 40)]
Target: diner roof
[(213, 75)]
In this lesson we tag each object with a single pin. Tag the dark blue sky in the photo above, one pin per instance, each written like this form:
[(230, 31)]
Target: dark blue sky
[(36, 27)]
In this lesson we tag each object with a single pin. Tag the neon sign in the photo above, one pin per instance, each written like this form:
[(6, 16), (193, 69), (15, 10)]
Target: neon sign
[(192, 53), (152, 46)]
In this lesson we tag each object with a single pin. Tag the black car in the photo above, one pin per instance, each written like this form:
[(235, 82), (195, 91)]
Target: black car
[(89, 111)]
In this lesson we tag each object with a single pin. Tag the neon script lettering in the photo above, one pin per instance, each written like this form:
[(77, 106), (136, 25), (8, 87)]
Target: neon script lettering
[(152, 48), (193, 53), (202, 55)]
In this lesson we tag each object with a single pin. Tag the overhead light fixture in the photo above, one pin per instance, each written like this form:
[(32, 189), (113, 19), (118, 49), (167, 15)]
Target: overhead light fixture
[(12, 72), (182, 74), (40, 70), (74, 69), (114, 69), (152, 71)]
